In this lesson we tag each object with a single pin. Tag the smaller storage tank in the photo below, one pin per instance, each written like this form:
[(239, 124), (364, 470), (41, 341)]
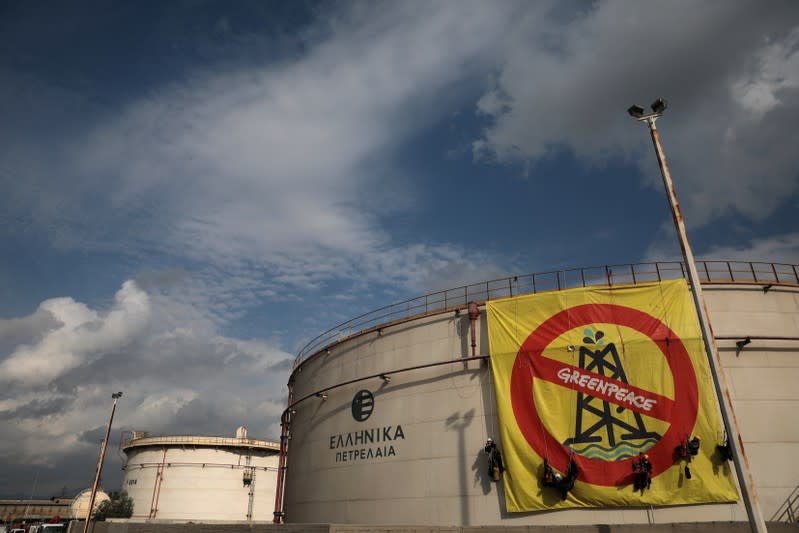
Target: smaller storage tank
[(80, 505), (201, 479)]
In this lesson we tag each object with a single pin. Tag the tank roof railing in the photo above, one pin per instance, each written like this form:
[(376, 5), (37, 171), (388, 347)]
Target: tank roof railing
[(745, 272), (189, 440)]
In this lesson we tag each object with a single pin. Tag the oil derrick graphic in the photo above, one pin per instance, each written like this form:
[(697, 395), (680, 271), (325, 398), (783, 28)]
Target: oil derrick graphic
[(605, 361)]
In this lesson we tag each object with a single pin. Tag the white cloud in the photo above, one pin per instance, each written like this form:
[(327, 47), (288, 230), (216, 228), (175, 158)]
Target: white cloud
[(269, 174), (81, 336), (270, 164), (177, 372), (274, 177), (27, 329), (729, 70), (778, 249), (776, 70)]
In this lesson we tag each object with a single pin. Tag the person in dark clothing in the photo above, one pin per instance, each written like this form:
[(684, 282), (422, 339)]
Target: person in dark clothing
[(642, 469), (555, 479), (688, 450), (495, 466)]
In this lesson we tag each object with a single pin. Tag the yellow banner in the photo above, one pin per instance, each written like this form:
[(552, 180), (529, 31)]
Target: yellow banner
[(611, 385)]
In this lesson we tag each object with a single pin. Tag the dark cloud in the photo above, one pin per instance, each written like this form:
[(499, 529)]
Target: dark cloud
[(73, 473), (93, 436), (37, 409)]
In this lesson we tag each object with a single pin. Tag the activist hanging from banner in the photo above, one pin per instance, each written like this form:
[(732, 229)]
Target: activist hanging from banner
[(615, 382)]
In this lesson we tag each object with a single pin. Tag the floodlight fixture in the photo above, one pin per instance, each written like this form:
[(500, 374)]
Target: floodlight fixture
[(659, 106), (636, 111)]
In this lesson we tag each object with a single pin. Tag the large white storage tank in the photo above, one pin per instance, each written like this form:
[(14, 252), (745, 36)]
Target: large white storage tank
[(389, 411), (200, 479)]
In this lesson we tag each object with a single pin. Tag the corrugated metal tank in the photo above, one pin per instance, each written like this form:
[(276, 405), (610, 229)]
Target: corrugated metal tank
[(404, 448), (193, 478)]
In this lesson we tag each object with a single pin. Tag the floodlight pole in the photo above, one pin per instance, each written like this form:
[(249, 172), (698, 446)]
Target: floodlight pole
[(742, 470), (99, 469)]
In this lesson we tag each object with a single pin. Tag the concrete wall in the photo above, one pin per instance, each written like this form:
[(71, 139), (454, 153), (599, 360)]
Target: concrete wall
[(200, 483), (417, 460)]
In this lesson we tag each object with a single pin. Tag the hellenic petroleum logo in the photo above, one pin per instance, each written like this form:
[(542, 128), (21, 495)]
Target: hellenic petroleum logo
[(362, 405), (369, 443)]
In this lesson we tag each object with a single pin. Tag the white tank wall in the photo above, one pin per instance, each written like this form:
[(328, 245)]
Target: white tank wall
[(199, 484), (436, 475), (763, 380)]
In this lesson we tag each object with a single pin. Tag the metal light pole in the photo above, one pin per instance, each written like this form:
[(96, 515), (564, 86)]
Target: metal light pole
[(742, 469), (99, 470)]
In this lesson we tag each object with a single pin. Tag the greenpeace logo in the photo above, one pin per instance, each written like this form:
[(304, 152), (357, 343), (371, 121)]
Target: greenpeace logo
[(608, 389)]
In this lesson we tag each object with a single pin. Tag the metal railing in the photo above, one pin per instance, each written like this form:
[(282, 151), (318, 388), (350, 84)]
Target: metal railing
[(789, 510), (188, 440), (623, 274)]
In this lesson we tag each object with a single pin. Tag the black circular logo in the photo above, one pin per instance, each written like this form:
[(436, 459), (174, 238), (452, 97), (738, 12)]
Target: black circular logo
[(362, 405)]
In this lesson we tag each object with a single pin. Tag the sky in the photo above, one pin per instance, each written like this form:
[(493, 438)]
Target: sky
[(192, 190)]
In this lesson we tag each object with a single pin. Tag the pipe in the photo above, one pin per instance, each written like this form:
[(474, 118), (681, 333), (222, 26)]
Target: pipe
[(159, 477), (372, 376), (474, 312), (755, 338), (285, 424)]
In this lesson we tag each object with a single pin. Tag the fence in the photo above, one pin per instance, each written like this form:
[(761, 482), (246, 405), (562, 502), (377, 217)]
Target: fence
[(632, 273)]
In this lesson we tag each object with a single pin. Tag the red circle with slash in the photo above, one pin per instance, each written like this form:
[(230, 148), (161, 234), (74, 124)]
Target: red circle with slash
[(531, 364)]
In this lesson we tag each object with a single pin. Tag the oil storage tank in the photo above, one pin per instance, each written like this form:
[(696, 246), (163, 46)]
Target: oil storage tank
[(593, 368), (200, 478), (79, 507)]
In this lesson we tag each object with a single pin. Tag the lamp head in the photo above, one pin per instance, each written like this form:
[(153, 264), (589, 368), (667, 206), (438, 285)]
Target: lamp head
[(636, 111), (659, 106), (116, 395)]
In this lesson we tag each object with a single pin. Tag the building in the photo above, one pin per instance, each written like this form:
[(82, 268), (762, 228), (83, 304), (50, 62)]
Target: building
[(200, 479), (389, 412), (15, 511)]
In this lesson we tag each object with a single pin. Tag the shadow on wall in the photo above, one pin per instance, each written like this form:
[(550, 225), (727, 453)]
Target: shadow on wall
[(456, 422), (481, 475)]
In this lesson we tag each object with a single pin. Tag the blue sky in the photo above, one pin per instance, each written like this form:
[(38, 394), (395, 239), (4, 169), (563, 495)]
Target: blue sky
[(192, 190)]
